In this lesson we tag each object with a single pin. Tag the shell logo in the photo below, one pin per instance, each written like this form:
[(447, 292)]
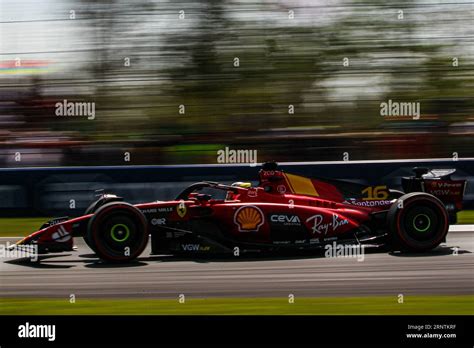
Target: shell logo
[(248, 218)]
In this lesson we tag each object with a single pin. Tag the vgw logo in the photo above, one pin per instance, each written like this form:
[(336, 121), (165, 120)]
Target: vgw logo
[(195, 247), (37, 331)]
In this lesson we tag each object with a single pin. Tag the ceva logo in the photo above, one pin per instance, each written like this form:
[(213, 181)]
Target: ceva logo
[(286, 219)]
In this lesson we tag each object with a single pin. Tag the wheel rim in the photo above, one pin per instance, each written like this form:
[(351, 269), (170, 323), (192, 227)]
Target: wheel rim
[(120, 232), (421, 223)]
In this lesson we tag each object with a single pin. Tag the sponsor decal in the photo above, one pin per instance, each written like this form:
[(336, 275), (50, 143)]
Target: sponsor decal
[(285, 219), (281, 189), (444, 184), (375, 193), (195, 247), (318, 225), (353, 201), (56, 221), (181, 209), (441, 192), (61, 235), (282, 242), (249, 218), (28, 330), (252, 192), (336, 221), (160, 221), (268, 173), (157, 210), (445, 188), (322, 227)]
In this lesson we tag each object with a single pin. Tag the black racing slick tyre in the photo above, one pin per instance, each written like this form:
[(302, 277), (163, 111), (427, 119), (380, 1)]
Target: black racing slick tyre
[(118, 232), (418, 222), (93, 207), (90, 210)]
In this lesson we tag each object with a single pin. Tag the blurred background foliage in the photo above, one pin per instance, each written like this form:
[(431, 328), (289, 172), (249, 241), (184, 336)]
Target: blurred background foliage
[(290, 54)]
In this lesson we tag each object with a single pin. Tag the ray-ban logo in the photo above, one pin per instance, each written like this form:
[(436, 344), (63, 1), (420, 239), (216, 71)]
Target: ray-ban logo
[(68, 108), (28, 330)]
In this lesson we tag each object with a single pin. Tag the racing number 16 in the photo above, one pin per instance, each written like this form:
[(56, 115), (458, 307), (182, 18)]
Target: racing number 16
[(375, 193)]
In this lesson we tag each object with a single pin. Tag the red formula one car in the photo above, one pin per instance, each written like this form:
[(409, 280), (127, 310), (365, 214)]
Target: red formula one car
[(284, 211)]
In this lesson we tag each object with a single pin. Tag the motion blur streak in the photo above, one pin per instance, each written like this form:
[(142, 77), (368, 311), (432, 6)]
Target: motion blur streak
[(175, 81)]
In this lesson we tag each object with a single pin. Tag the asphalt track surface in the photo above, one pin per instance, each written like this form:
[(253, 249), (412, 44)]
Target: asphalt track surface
[(380, 273)]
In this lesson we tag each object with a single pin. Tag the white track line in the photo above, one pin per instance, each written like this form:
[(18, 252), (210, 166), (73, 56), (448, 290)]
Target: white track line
[(461, 228)]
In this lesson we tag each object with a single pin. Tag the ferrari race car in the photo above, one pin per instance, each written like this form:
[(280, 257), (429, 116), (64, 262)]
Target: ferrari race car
[(284, 211)]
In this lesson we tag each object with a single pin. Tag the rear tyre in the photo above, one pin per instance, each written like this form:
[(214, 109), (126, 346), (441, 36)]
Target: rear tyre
[(418, 222), (118, 232)]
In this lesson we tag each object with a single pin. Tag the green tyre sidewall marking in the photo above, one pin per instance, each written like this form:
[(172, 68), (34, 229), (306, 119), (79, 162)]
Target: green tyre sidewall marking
[(115, 238), (424, 229)]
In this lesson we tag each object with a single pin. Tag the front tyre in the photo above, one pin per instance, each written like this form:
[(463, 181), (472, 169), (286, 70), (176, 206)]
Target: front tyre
[(118, 231), (418, 222), (93, 207)]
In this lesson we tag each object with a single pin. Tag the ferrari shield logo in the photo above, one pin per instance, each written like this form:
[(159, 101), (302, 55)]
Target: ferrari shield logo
[(181, 209)]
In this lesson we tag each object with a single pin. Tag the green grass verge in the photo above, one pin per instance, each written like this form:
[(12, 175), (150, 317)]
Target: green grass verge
[(466, 217), (413, 305), (13, 227), (24, 226)]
